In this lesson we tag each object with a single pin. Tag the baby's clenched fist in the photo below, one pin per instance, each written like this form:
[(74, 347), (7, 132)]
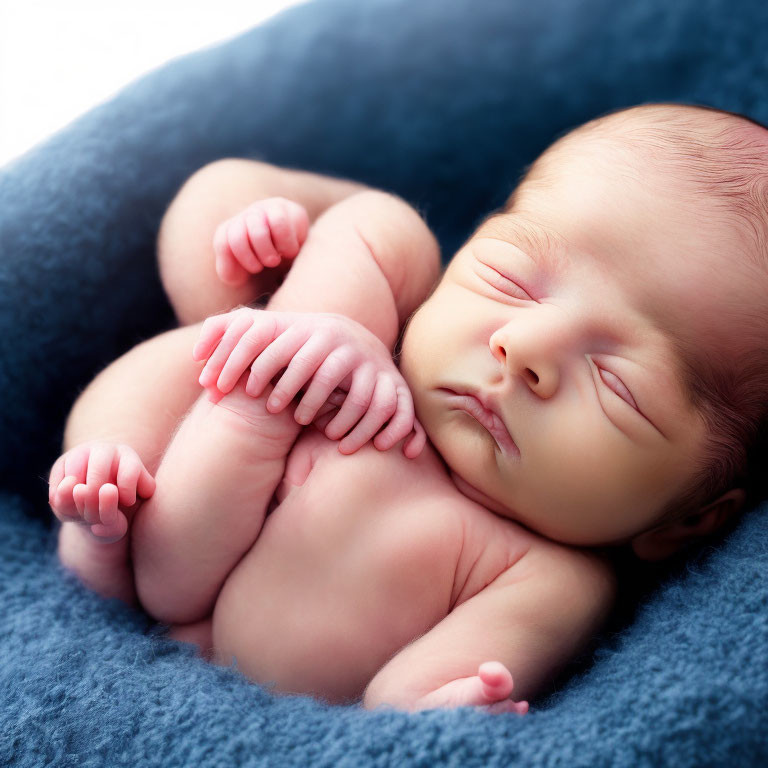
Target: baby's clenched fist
[(262, 235), (88, 482)]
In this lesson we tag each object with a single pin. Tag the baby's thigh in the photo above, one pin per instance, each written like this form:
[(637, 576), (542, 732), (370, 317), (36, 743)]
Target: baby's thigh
[(140, 398)]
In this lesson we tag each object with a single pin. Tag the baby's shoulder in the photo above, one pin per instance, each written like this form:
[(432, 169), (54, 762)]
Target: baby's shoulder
[(582, 575)]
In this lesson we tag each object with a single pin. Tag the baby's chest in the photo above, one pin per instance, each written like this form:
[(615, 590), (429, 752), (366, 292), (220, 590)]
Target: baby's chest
[(392, 526), (371, 521), (364, 553)]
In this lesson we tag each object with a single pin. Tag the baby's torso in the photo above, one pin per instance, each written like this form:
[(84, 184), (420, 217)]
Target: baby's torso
[(362, 555)]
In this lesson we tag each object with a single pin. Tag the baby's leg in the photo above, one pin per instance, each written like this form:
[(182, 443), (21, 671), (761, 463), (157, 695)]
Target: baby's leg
[(136, 400), (214, 485)]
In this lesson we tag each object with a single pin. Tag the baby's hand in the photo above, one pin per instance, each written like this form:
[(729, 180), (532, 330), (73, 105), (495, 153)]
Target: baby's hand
[(258, 237), (489, 689), (330, 351), (87, 483)]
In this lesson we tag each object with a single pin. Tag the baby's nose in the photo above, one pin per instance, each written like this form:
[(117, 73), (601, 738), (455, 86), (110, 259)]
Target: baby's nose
[(533, 351)]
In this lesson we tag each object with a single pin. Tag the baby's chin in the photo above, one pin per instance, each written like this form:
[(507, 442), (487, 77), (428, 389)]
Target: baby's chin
[(475, 494)]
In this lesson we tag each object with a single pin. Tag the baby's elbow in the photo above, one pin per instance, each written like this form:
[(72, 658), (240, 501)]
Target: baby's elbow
[(379, 694), (401, 243), (375, 696)]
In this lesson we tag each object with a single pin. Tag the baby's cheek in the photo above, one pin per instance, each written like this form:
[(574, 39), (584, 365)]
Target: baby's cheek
[(411, 362), (560, 482)]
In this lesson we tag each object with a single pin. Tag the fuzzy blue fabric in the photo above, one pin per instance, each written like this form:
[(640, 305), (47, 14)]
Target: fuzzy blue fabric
[(445, 104)]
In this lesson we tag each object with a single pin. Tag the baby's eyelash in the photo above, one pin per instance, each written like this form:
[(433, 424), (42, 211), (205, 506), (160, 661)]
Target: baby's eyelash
[(502, 282), (621, 384)]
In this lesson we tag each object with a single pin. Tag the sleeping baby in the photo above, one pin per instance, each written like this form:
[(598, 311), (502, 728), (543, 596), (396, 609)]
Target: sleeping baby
[(589, 371)]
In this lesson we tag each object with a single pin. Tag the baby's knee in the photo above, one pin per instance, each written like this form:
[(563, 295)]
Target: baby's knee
[(198, 205)]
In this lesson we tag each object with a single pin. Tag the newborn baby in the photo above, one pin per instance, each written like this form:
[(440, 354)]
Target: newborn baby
[(587, 370)]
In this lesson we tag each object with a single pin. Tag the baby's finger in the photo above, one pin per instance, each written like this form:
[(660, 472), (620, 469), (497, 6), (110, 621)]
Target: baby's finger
[(239, 242), (321, 422), (401, 422), (260, 238), (102, 463), (113, 532), (211, 331), (413, 447), (274, 358), (355, 404), (496, 680), (76, 461), (312, 361), (238, 326), (228, 268), (55, 477), (108, 496), (63, 505), (146, 484), (128, 472), (78, 496), (300, 219), (383, 405), (327, 377), (87, 501), (500, 707), (281, 228), (252, 343), (328, 409)]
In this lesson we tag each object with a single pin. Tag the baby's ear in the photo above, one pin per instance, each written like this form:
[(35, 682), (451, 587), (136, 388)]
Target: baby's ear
[(666, 539)]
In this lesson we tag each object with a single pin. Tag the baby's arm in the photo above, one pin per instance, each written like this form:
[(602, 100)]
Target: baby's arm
[(216, 200), (370, 257), (531, 620), (326, 356)]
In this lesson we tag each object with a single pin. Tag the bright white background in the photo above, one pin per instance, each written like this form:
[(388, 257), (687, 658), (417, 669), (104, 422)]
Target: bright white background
[(58, 58)]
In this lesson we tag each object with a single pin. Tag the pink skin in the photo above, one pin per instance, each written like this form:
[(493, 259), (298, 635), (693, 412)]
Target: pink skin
[(88, 482), (260, 236), (327, 351), (489, 689)]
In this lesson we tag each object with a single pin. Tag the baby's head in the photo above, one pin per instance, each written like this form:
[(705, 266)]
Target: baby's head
[(614, 315)]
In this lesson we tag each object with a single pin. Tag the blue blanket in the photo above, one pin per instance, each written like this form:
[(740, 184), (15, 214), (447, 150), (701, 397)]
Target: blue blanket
[(445, 104)]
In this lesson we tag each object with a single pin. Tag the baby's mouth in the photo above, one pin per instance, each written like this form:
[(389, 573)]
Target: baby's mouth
[(471, 403)]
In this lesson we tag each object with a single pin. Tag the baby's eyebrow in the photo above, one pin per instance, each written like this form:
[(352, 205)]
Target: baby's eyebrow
[(539, 244)]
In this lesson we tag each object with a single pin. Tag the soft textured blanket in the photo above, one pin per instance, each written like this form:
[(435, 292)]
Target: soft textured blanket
[(444, 103)]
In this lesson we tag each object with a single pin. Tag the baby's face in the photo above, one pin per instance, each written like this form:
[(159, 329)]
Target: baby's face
[(558, 317)]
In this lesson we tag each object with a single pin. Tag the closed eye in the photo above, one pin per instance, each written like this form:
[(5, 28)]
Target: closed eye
[(501, 282), (617, 385)]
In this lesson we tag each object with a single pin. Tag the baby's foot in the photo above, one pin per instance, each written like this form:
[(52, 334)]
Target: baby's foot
[(91, 482), (262, 235)]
